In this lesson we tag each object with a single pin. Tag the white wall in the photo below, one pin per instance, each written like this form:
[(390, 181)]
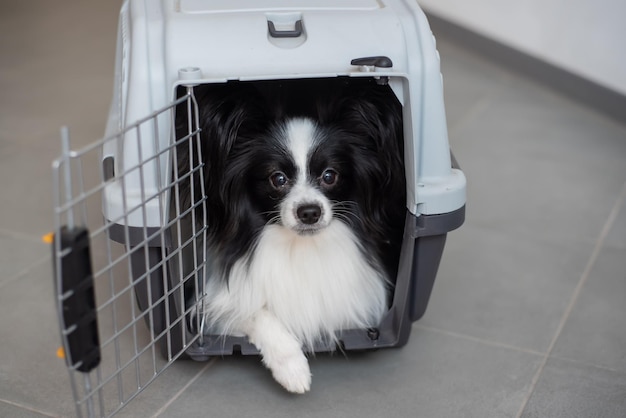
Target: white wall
[(586, 37)]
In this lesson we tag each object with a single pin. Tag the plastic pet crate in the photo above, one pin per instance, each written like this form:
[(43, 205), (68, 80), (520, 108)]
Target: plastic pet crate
[(130, 258)]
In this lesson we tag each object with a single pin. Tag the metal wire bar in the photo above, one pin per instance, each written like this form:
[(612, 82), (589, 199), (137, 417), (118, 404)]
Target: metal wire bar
[(56, 186), (65, 141)]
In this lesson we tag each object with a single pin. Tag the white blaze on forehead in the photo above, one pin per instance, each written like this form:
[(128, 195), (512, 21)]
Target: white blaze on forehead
[(300, 139)]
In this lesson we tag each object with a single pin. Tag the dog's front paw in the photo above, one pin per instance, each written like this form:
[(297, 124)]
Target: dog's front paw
[(293, 373), (280, 351)]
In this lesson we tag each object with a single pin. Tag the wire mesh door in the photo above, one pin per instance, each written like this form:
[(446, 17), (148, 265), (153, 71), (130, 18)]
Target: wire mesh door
[(126, 285)]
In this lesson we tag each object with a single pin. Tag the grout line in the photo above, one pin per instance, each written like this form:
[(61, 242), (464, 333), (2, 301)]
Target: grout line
[(583, 279), (4, 233), (28, 408), (25, 271), (184, 388), (20, 235), (588, 364), (480, 340)]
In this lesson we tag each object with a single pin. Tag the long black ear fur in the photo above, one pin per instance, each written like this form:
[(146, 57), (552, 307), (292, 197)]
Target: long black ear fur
[(373, 112), (226, 112)]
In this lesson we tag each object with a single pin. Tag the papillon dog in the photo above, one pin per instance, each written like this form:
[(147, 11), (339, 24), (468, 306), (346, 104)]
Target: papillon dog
[(305, 188)]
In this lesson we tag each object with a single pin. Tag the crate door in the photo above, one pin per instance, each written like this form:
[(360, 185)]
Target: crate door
[(129, 255)]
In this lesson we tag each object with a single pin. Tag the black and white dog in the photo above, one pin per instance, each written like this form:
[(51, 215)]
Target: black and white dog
[(306, 202)]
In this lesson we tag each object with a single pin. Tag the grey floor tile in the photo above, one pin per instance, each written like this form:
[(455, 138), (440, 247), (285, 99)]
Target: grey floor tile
[(49, 77), (60, 72), (18, 254), (158, 393), (540, 166), (543, 174), (594, 332), (434, 375), (501, 287), (26, 199), (30, 372), (469, 83), (14, 411), (616, 237), (571, 390)]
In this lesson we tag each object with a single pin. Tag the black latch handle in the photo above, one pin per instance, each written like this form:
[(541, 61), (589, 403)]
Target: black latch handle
[(378, 61)]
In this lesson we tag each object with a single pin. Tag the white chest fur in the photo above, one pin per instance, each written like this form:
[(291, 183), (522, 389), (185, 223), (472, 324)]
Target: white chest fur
[(314, 285)]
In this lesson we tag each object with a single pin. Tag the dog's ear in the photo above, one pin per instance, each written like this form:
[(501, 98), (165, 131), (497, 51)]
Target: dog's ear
[(372, 115), (381, 114), (373, 112), (368, 108), (225, 113)]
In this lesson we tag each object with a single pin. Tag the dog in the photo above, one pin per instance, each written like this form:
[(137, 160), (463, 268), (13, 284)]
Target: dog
[(306, 200)]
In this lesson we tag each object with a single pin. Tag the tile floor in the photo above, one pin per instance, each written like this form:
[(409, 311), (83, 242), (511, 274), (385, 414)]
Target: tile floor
[(528, 311)]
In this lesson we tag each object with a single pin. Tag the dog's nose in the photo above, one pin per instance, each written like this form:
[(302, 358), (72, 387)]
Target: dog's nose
[(309, 214)]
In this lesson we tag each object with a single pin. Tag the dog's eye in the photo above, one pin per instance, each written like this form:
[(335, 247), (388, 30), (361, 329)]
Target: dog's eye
[(329, 177), (278, 180)]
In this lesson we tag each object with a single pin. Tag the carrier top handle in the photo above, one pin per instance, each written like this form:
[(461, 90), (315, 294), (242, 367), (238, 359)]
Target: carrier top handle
[(75, 286), (274, 33)]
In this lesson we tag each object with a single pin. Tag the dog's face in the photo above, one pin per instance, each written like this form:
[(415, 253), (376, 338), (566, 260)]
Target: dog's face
[(305, 179)]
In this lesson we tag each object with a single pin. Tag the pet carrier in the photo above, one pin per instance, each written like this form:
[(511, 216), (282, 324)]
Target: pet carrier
[(127, 311)]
